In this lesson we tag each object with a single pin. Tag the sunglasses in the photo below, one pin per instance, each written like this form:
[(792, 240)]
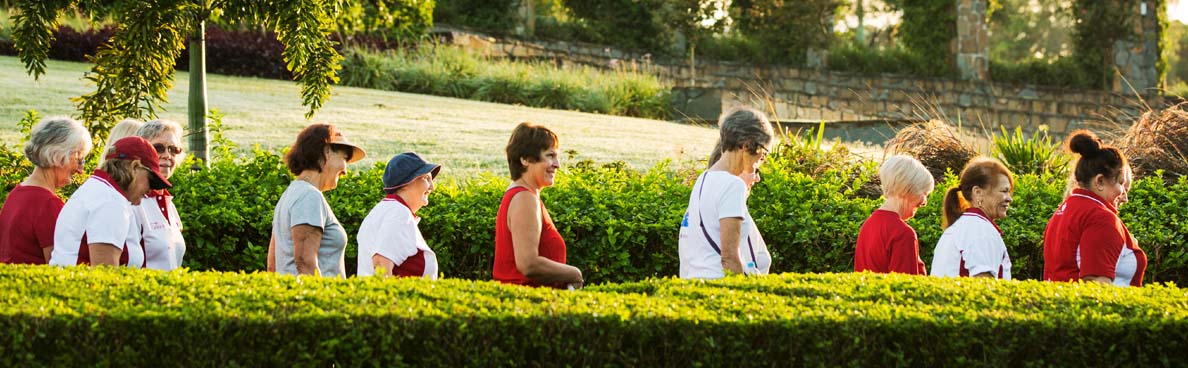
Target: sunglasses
[(161, 148)]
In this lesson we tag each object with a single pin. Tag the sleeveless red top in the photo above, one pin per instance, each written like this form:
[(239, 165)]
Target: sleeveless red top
[(551, 245)]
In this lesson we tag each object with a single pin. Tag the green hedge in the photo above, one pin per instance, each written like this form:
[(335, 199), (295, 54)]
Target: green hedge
[(620, 224), (453, 72), (104, 316)]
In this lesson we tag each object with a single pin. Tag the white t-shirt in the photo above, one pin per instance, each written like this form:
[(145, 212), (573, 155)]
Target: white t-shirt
[(971, 243), (100, 213), (718, 195), (163, 242), (390, 230)]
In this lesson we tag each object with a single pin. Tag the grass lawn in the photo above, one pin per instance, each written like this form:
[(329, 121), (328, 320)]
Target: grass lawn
[(465, 136)]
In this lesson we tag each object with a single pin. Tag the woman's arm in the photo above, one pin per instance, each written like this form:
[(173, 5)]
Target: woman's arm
[(271, 261), (381, 263), (731, 234), (524, 221), (47, 251), (1101, 279), (104, 254), (306, 240)]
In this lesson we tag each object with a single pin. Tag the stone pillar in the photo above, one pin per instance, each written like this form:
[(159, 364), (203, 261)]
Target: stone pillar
[(973, 40), (526, 12), (1136, 55)]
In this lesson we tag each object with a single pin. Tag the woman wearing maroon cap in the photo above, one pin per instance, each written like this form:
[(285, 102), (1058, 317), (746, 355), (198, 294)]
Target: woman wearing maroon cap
[(98, 225), (1085, 239), (57, 148)]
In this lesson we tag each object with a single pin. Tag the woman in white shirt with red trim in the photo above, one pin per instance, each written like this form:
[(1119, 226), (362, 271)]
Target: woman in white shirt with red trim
[(98, 225), (390, 242), (1085, 239), (162, 231), (972, 244)]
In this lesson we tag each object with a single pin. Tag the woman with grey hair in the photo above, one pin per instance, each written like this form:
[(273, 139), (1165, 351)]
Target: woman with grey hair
[(162, 231), (57, 148), (718, 235)]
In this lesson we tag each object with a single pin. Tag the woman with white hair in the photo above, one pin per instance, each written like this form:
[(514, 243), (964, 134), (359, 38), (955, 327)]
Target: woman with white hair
[(718, 235), (162, 230), (886, 243), (57, 148)]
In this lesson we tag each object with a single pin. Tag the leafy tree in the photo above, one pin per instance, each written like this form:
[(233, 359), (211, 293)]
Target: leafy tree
[(134, 70)]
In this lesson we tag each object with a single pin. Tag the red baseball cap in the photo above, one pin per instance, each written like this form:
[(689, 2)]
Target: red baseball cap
[(137, 148)]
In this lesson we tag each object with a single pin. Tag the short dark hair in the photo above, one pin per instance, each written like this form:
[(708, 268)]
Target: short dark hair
[(1096, 158), (528, 140), (309, 151)]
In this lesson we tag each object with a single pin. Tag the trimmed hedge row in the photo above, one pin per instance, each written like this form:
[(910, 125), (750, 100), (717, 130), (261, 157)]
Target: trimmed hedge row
[(620, 224), (106, 316)]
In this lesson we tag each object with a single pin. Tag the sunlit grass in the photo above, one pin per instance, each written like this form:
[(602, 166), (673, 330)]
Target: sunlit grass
[(466, 136)]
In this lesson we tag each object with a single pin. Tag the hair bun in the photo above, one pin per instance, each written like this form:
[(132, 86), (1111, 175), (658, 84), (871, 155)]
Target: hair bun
[(1085, 143)]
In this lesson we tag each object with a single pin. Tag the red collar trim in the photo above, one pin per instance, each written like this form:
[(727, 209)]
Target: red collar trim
[(976, 212), (158, 193), (1078, 192), (105, 178), (396, 197)]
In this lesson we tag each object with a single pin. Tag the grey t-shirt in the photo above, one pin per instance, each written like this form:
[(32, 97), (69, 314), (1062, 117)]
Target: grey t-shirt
[(302, 203)]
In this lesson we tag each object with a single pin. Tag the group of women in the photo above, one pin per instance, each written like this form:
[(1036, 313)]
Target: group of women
[(122, 214), (107, 222), (1084, 239)]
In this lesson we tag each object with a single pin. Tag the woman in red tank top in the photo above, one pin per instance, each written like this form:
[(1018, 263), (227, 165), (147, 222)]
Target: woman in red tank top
[(528, 248)]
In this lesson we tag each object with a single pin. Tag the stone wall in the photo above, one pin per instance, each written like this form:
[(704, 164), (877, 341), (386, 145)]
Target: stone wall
[(802, 95)]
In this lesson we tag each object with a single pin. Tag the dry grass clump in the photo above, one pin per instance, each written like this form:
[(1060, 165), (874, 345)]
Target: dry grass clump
[(1159, 140), (936, 144)]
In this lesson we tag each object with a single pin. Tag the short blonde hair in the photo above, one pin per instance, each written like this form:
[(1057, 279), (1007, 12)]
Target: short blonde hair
[(125, 128), (902, 175)]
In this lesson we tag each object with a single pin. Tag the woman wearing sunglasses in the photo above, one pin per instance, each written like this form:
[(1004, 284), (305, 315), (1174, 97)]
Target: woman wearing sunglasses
[(162, 230), (718, 235)]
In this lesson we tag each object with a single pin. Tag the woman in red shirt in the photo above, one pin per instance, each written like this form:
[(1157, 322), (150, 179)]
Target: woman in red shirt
[(886, 243), (1085, 239), (57, 148), (528, 248)]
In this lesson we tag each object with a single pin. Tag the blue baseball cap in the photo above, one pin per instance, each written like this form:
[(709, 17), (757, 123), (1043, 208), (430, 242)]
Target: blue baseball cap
[(405, 167)]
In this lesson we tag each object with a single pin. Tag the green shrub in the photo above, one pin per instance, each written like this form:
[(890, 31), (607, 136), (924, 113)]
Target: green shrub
[(83, 316), (786, 28), (494, 16), (926, 30), (1037, 154), (1063, 72), (390, 20), (860, 59), (454, 72)]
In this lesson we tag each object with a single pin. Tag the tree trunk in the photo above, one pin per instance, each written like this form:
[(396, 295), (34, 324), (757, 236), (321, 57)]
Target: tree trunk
[(197, 106)]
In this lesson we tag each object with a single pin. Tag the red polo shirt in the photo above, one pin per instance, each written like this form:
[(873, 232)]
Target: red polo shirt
[(27, 222), (887, 244), (1085, 237)]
